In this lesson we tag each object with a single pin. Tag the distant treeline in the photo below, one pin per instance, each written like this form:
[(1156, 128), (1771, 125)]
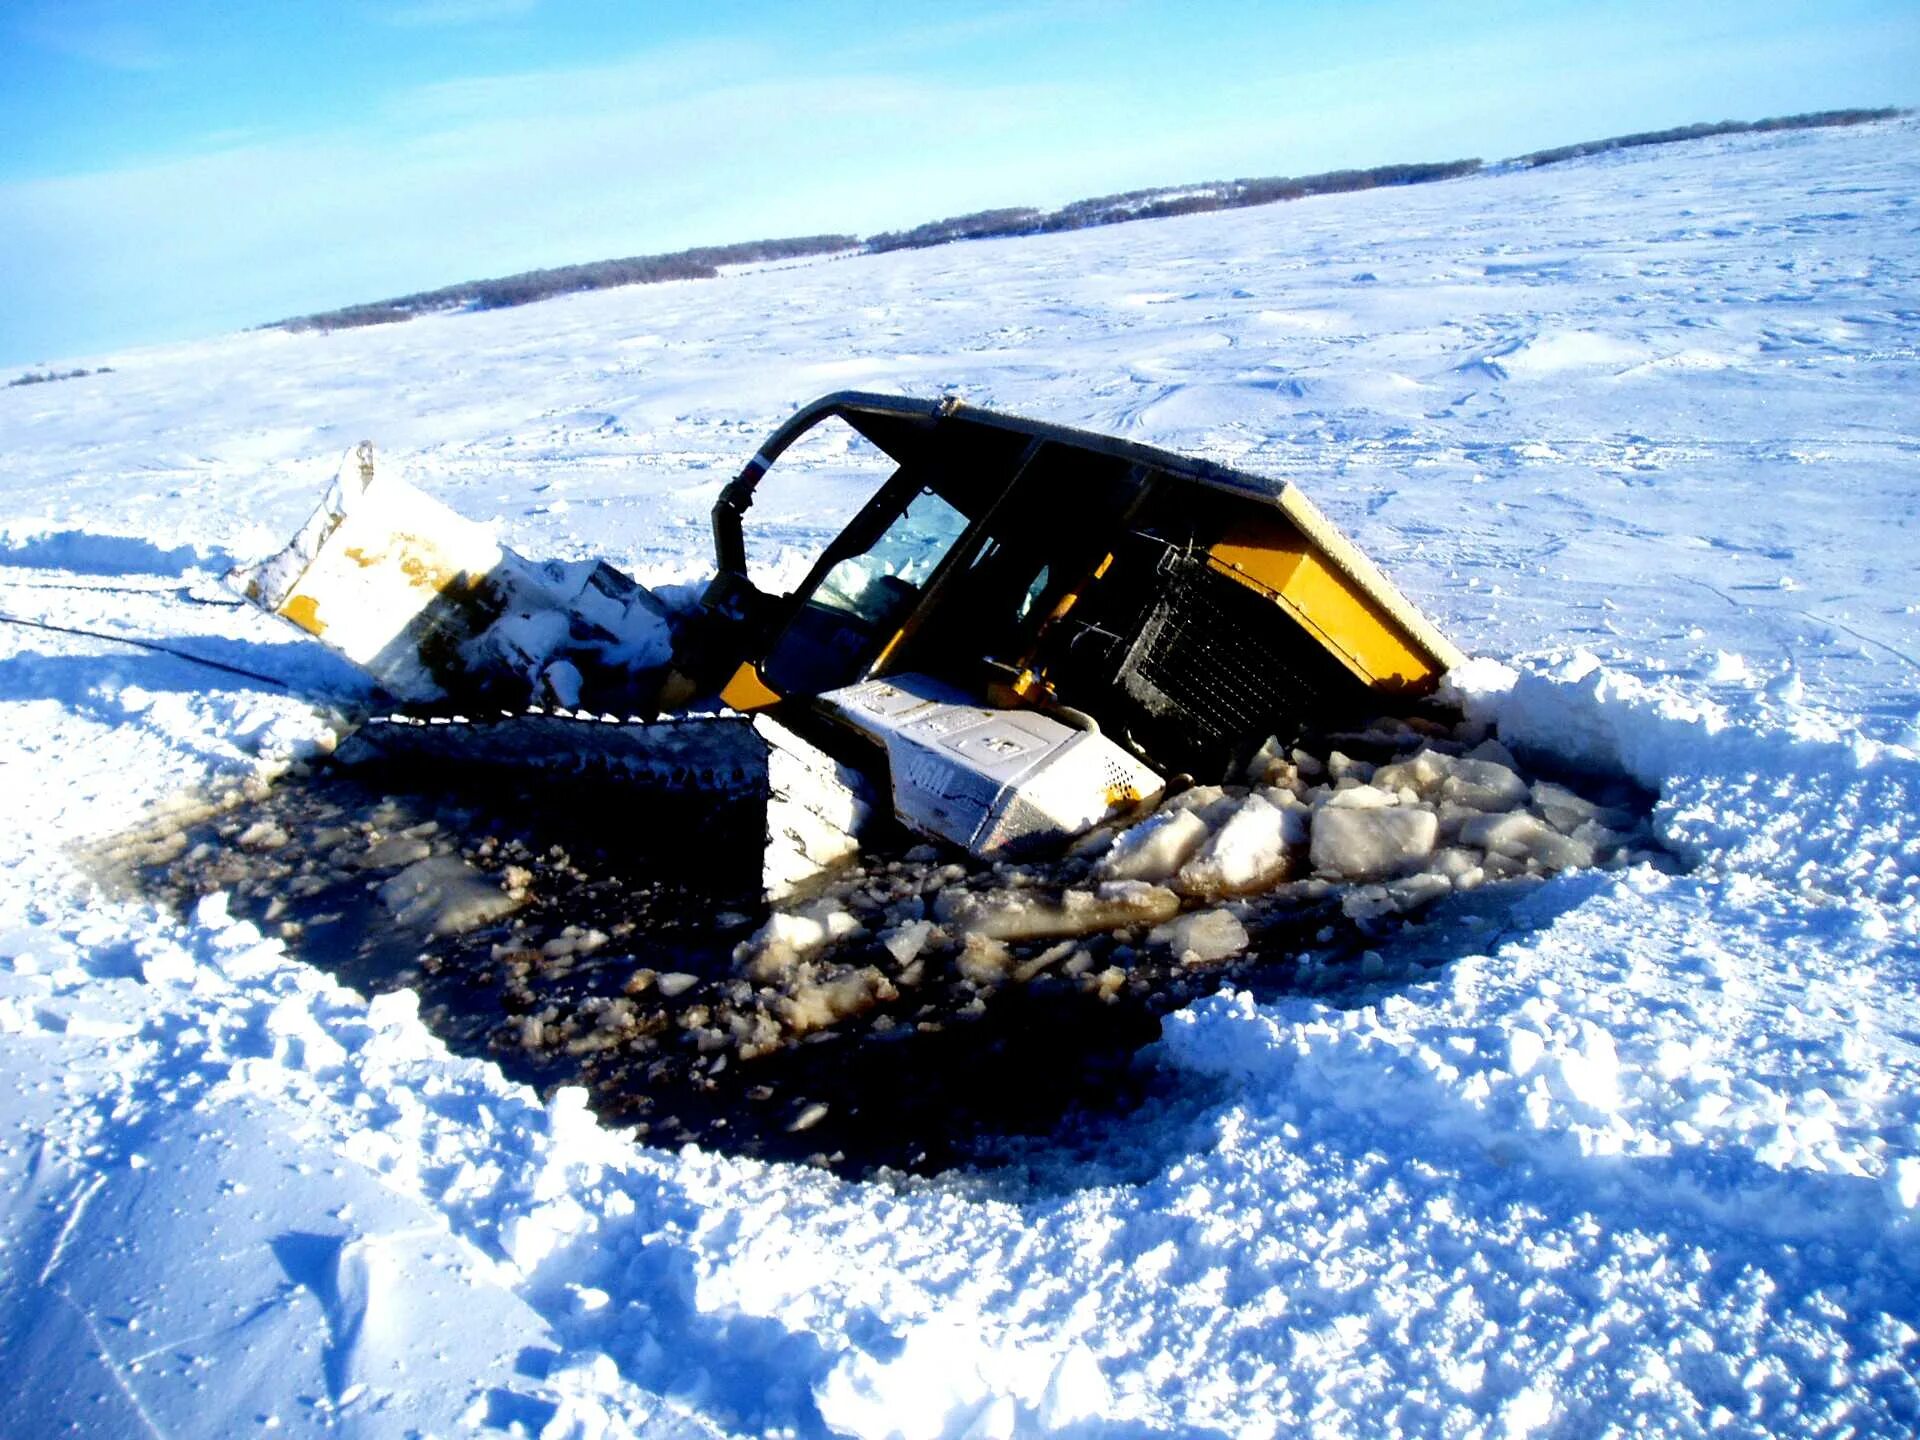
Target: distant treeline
[(1151, 204), (46, 376), (1812, 121), (523, 289), (1163, 201)]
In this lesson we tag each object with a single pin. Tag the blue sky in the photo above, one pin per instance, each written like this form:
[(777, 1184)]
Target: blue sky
[(179, 167)]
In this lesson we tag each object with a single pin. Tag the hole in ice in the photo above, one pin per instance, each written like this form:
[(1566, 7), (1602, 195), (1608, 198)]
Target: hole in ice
[(918, 1012)]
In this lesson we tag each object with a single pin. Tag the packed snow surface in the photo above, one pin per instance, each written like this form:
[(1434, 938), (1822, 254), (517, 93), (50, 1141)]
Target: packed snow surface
[(1643, 1154)]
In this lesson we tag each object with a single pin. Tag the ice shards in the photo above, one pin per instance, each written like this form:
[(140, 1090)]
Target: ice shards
[(1372, 844)]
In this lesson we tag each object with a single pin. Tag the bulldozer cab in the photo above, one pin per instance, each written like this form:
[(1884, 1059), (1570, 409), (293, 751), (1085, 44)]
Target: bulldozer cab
[(1192, 609)]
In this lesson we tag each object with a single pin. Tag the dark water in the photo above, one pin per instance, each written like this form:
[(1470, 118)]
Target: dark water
[(618, 971)]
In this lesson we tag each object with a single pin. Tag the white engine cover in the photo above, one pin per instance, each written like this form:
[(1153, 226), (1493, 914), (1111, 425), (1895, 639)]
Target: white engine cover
[(994, 781)]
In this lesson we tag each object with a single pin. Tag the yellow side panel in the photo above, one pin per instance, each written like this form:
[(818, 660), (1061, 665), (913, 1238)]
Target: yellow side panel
[(1273, 558), (747, 692)]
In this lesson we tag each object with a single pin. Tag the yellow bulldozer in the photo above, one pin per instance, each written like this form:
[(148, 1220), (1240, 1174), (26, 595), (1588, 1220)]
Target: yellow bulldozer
[(1025, 632)]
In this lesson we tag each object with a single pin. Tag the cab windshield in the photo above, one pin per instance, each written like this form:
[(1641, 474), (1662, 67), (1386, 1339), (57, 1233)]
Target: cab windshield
[(862, 599), (877, 585)]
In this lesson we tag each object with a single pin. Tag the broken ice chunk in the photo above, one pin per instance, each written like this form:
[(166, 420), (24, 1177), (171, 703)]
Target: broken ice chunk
[(820, 1004), (1396, 897), (1023, 915), (1481, 780), (393, 852), (1362, 797), (1155, 848), (446, 896), (808, 1117), (1211, 802), (1371, 844), (1483, 784), (1342, 767), (905, 942), (1423, 774), (1563, 809), (1202, 937), (1047, 958), (562, 679), (791, 935), (1418, 889), (1460, 866), (573, 941), (1268, 761), (262, 835), (1525, 837), (982, 960), (1598, 836), (1492, 751), (1248, 853)]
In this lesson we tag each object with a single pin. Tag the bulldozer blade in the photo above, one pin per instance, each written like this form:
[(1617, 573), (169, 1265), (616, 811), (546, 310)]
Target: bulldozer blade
[(437, 611)]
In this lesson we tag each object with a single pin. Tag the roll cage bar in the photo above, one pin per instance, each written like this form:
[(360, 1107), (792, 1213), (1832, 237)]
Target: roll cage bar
[(899, 424)]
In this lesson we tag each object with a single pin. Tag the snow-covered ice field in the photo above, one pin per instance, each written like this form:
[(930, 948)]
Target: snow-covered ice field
[(1643, 1158)]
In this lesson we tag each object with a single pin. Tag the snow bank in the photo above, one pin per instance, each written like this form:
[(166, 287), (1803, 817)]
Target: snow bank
[(1802, 803)]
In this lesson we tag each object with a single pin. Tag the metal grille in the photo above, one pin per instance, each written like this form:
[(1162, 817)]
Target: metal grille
[(1219, 667)]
